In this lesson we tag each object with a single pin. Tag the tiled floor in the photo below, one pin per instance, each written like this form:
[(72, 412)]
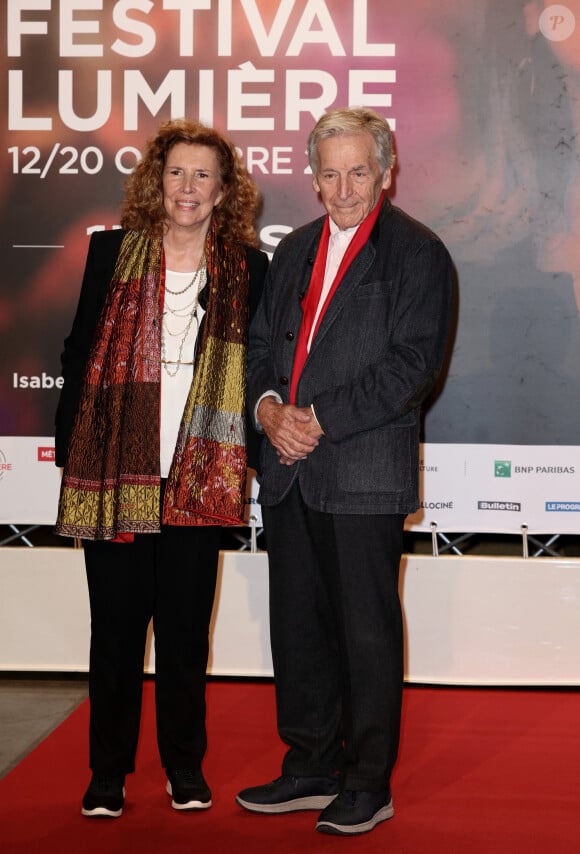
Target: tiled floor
[(30, 708)]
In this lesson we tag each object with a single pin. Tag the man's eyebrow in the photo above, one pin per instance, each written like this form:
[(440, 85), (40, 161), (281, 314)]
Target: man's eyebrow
[(352, 168)]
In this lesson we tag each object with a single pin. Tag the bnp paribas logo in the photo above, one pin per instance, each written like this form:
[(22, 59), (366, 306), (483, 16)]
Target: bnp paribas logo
[(502, 468)]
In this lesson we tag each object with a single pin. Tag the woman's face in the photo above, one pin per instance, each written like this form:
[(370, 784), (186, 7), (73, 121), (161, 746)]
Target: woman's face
[(192, 186)]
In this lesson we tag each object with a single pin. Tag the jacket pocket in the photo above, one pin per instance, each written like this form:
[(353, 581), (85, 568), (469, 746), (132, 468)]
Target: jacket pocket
[(381, 289), (381, 461)]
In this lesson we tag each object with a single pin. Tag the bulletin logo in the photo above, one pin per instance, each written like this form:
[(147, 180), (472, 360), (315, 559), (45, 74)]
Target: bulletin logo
[(502, 468), (511, 506)]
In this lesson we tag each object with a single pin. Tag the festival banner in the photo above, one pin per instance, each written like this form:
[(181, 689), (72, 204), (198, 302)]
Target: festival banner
[(484, 101)]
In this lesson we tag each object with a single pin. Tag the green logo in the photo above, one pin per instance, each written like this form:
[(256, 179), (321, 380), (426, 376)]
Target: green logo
[(503, 468)]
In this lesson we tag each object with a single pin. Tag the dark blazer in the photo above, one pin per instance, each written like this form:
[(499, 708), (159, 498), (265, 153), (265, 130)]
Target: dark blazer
[(101, 259), (375, 357)]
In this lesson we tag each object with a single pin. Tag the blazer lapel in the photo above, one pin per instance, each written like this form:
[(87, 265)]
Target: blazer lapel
[(353, 276)]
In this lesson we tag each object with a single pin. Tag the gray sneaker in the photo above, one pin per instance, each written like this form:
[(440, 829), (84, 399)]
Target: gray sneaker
[(355, 812), (290, 794)]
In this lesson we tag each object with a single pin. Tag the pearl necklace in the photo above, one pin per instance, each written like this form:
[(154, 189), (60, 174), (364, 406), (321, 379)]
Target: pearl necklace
[(189, 311)]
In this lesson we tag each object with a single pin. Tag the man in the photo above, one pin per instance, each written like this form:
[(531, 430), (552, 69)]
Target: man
[(347, 341)]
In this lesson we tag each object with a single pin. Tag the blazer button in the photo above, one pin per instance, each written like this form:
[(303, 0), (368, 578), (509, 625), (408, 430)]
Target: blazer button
[(289, 336), (283, 380)]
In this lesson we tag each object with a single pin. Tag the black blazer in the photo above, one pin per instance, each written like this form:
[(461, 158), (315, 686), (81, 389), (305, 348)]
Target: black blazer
[(101, 259), (375, 357)]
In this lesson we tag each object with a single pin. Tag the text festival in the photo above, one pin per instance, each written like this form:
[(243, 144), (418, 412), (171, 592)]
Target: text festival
[(87, 31)]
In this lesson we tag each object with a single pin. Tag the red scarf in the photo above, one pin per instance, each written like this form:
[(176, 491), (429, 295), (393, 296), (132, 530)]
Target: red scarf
[(312, 298)]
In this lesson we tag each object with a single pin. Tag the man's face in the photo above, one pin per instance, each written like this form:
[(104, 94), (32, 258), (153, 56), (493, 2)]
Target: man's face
[(349, 177)]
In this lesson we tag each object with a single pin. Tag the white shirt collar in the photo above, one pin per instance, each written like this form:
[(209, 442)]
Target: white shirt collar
[(334, 229)]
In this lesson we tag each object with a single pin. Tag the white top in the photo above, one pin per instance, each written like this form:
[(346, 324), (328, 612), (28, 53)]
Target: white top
[(337, 246), (176, 383)]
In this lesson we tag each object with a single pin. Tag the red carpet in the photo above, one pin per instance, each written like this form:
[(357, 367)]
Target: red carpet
[(479, 772)]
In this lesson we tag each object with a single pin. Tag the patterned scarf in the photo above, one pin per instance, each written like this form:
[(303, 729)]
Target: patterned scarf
[(111, 481)]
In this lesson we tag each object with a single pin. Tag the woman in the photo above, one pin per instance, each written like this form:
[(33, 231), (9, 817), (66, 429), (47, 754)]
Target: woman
[(150, 431)]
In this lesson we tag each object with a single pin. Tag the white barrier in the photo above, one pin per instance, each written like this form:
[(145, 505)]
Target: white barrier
[(502, 621)]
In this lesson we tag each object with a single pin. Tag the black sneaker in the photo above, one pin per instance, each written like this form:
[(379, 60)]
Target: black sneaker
[(290, 794), (355, 812), (105, 796), (188, 789)]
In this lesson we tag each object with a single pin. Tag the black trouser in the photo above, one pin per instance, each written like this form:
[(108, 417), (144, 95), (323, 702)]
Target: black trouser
[(337, 640), (169, 577)]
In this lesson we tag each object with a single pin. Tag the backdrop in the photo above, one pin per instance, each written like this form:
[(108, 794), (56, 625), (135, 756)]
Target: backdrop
[(484, 100)]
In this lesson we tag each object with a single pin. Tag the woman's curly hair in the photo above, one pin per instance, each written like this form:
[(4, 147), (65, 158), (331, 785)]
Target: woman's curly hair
[(236, 213)]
